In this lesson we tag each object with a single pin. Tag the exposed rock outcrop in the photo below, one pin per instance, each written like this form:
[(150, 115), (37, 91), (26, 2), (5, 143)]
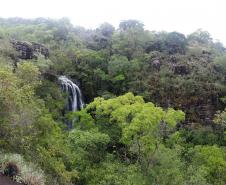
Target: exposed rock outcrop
[(29, 50), (39, 48)]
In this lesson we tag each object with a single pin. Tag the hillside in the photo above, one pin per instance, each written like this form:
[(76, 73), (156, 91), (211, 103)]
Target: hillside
[(153, 103)]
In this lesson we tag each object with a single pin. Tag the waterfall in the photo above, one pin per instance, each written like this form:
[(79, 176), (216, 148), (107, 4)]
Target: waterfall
[(75, 101)]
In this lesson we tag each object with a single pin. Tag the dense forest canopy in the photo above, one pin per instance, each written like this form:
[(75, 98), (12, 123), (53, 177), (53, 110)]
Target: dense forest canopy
[(154, 110)]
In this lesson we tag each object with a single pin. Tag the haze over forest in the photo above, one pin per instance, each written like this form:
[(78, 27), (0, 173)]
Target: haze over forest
[(159, 15)]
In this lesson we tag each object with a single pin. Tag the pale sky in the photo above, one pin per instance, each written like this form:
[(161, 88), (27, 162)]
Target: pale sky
[(184, 16)]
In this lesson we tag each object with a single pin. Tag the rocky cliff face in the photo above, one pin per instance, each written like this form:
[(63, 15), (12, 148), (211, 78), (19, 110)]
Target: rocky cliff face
[(29, 50)]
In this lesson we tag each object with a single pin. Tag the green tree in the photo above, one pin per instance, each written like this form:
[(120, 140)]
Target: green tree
[(200, 36), (212, 160), (129, 41)]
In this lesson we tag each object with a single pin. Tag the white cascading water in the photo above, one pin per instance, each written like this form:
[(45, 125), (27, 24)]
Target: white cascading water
[(75, 101)]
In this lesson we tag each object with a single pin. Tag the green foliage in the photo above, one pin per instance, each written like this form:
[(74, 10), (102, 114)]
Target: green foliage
[(90, 144), (220, 126), (165, 161), (19, 107), (54, 99), (52, 151), (212, 160), (113, 172), (202, 136), (28, 73), (117, 139), (27, 128), (200, 36), (130, 118), (97, 60), (175, 43), (220, 63)]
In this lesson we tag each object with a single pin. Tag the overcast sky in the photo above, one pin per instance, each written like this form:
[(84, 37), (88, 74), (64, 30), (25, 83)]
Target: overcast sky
[(184, 16)]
